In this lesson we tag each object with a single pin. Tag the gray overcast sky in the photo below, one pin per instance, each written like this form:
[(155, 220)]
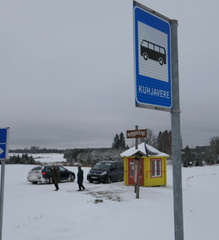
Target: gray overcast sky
[(67, 71)]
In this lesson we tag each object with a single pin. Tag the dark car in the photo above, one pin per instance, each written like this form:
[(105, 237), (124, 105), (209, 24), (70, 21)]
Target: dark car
[(106, 172), (42, 174)]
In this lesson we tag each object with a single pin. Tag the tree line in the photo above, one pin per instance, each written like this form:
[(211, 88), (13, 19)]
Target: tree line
[(36, 149), (23, 159), (190, 156), (199, 156), (93, 155)]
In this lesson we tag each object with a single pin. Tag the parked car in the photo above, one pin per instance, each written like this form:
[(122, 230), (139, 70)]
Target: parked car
[(106, 172), (42, 174)]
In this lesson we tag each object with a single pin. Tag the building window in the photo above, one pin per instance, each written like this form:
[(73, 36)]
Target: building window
[(156, 167)]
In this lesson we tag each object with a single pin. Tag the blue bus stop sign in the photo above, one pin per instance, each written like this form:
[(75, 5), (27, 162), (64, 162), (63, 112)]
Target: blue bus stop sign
[(152, 34), (3, 143)]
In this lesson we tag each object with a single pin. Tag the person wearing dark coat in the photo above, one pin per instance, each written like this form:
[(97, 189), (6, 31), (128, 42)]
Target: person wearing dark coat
[(55, 177), (80, 179)]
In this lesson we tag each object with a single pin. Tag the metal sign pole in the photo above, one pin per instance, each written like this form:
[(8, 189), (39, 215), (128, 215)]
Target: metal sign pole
[(138, 179), (136, 139), (176, 137), (2, 195), (158, 30), (4, 132), (136, 165)]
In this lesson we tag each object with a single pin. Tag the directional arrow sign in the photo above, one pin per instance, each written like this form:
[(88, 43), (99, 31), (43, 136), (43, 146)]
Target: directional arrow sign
[(2, 151), (140, 133), (3, 143)]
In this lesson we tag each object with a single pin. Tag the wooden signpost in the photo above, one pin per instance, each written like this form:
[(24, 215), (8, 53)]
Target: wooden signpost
[(137, 133)]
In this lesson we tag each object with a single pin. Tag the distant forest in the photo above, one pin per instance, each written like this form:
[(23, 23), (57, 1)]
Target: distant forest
[(34, 150), (190, 156)]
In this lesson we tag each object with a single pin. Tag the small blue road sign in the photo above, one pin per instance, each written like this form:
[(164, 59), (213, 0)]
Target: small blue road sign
[(3, 151), (3, 143), (152, 33), (3, 135)]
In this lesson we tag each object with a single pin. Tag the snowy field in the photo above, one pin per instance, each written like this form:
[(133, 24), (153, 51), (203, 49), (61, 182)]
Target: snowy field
[(37, 212), (44, 158)]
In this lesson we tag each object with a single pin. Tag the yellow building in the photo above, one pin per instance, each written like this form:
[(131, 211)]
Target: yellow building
[(152, 166)]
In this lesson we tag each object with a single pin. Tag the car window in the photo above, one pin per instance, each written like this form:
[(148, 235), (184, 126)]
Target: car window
[(102, 166), (97, 166), (61, 168), (113, 166), (119, 165), (37, 168)]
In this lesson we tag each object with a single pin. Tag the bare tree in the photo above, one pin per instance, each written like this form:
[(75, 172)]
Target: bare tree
[(151, 139), (164, 142), (214, 144)]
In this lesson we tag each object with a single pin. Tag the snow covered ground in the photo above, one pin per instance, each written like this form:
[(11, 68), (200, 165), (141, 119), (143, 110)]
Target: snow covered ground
[(37, 212)]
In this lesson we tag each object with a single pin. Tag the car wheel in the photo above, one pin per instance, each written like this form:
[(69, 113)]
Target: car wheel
[(34, 182), (71, 178), (50, 180), (108, 179), (90, 181)]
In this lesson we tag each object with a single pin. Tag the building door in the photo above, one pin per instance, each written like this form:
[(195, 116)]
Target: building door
[(133, 171)]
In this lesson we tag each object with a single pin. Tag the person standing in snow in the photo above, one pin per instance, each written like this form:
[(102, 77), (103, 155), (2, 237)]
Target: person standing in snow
[(80, 178), (55, 177)]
